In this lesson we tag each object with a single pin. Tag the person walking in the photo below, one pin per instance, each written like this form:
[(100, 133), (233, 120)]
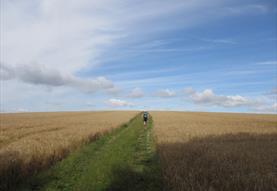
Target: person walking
[(145, 118)]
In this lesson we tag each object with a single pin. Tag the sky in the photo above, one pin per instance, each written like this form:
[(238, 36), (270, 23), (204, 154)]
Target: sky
[(86, 55)]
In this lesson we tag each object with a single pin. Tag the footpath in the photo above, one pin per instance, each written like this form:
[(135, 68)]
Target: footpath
[(124, 159)]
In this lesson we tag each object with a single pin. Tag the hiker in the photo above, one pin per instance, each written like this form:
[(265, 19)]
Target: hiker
[(145, 118)]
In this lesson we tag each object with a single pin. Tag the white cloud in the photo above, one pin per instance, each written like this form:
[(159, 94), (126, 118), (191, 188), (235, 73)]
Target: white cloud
[(267, 108), (90, 104), (20, 110), (272, 94), (136, 93), (41, 32), (274, 107), (207, 97), (165, 93), (119, 103)]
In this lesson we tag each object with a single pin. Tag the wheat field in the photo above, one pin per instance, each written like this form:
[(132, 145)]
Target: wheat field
[(216, 151), (30, 142)]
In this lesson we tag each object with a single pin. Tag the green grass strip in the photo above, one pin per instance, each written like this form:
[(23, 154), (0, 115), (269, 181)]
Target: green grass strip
[(122, 160)]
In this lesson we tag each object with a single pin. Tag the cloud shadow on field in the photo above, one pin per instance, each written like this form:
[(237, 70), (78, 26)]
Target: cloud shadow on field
[(10, 167), (128, 178), (15, 172), (227, 162)]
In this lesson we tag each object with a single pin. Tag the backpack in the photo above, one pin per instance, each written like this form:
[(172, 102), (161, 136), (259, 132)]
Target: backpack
[(145, 115)]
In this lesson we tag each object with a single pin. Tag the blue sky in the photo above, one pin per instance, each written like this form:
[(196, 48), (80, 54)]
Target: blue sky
[(152, 55)]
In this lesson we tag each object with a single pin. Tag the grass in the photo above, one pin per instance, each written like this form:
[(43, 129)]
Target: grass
[(122, 160), (213, 151)]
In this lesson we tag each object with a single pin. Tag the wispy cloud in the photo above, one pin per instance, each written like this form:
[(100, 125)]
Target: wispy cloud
[(271, 62), (94, 29), (219, 41), (241, 72), (168, 50), (250, 8)]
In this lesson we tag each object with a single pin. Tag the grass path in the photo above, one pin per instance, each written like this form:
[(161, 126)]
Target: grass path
[(122, 160)]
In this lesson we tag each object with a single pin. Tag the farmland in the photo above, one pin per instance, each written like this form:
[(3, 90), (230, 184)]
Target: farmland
[(112, 151), (32, 141), (217, 151)]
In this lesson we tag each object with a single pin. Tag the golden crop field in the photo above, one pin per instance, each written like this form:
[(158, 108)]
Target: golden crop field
[(217, 151), (31, 141)]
